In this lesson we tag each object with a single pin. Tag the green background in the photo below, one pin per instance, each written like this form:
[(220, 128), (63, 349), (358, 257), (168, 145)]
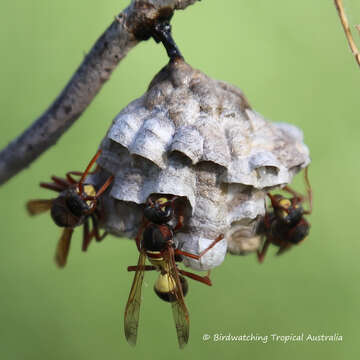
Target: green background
[(291, 60)]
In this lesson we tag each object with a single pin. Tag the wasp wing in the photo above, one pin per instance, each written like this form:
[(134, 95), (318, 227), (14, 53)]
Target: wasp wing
[(179, 310), (132, 310), (63, 247), (36, 207)]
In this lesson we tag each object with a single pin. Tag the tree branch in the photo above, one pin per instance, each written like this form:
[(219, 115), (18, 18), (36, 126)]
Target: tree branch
[(345, 24), (131, 26)]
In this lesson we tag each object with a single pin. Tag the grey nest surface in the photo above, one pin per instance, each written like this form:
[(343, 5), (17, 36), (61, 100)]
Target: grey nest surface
[(197, 138)]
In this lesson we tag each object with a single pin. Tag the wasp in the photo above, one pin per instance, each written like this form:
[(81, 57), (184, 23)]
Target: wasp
[(76, 204), (155, 242), (286, 225)]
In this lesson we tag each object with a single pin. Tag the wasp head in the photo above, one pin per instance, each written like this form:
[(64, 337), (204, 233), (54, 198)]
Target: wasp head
[(287, 210), (159, 211), (70, 209)]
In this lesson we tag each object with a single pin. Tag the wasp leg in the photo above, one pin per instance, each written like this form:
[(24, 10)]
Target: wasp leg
[(70, 174), (293, 192), (203, 279), (58, 184), (95, 232), (53, 186), (144, 268), (87, 236), (303, 198), (60, 181), (309, 191), (198, 257), (261, 254), (180, 223)]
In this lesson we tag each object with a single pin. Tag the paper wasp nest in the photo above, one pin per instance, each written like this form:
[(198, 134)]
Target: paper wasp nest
[(198, 138)]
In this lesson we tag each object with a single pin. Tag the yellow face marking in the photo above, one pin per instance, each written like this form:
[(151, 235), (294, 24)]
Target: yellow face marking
[(89, 190), (161, 201), (285, 203)]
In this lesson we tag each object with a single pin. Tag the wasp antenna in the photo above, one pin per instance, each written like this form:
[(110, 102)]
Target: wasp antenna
[(309, 189), (104, 187), (87, 170)]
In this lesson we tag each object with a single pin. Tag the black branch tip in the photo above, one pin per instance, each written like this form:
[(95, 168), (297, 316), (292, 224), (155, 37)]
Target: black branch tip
[(159, 29), (162, 33)]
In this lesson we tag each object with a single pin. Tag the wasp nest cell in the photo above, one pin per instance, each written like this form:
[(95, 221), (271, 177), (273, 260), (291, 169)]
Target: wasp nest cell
[(197, 138)]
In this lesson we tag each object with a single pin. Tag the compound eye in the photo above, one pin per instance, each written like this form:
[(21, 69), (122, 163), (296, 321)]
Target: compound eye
[(167, 211)]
